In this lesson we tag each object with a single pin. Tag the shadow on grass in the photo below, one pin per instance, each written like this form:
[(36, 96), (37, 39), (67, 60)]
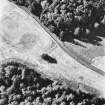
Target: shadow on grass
[(95, 37)]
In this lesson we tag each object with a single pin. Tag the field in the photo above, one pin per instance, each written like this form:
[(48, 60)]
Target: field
[(22, 85)]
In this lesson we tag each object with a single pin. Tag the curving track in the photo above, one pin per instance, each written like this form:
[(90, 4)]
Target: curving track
[(71, 53), (70, 66)]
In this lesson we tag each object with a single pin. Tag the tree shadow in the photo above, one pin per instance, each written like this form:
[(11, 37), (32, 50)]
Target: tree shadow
[(68, 37), (94, 37)]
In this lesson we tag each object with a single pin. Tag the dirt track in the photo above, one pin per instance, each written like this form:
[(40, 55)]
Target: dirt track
[(66, 66)]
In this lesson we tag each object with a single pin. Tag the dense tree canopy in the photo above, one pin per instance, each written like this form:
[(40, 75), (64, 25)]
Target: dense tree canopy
[(67, 17), (21, 85)]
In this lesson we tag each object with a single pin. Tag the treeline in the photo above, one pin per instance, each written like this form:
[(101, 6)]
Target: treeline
[(67, 17)]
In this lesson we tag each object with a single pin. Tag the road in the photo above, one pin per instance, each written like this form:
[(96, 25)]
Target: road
[(71, 53), (24, 37)]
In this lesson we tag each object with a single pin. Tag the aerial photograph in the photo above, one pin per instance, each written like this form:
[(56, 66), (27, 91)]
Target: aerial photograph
[(52, 52)]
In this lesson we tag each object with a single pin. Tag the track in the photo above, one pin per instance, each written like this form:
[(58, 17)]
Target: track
[(70, 66), (71, 53)]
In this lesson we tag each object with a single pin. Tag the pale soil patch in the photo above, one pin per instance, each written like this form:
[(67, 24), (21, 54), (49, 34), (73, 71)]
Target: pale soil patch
[(99, 62), (66, 66)]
